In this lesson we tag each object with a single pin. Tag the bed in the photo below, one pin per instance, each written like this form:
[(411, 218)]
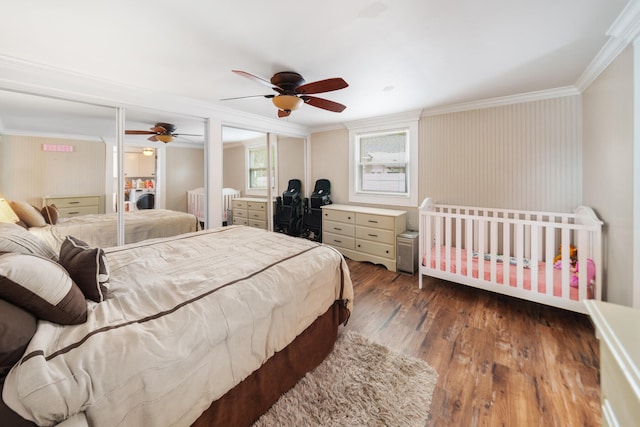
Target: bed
[(205, 328), (101, 229), (546, 257)]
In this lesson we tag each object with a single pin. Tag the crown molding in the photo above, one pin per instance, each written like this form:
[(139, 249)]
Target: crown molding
[(624, 30), (503, 100), (19, 75), (408, 116)]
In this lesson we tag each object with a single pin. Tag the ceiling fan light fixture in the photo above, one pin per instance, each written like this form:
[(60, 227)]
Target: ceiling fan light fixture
[(164, 138), (287, 102)]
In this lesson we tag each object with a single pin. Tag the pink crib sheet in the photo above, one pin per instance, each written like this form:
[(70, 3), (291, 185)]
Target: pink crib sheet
[(542, 285)]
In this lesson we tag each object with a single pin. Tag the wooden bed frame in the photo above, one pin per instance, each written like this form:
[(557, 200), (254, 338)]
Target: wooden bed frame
[(497, 249)]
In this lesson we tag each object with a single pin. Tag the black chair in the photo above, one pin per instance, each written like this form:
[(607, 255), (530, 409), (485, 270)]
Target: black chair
[(312, 218), (288, 213), (146, 201)]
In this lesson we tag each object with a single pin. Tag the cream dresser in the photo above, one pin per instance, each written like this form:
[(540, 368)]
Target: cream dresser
[(363, 234), (618, 329), (69, 206), (251, 211)]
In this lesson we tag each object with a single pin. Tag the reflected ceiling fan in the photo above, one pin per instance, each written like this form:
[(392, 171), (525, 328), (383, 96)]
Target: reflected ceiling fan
[(292, 91), (164, 132)]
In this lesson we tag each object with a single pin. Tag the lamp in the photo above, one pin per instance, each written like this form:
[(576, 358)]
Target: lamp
[(287, 102), (164, 138), (147, 152), (6, 213)]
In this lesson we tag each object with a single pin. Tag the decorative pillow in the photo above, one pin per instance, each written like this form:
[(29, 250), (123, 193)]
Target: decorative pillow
[(41, 287), (27, 213), (87, 267), (17, 326), (50, 214), (14, 238)]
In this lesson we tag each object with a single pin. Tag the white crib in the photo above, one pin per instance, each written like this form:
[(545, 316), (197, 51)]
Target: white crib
[(512, 252), (196, 202)]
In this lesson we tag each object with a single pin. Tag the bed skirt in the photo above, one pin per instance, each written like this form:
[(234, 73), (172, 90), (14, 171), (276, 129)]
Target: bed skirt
[(245, 403)]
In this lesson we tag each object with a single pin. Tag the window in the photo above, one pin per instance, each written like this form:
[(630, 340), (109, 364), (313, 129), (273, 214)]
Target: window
[(382, 162), (257, 167), (383, 166)]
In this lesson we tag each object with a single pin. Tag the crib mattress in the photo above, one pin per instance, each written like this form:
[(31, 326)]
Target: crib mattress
[(512, 273)]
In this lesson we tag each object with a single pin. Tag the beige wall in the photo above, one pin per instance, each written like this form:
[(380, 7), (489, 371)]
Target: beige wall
[(184, 171), (330, 160), (233, 174), (291, 163), (608, 170), (27, 173)]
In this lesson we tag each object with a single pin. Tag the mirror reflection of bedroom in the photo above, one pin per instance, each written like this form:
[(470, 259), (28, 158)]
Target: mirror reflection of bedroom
[(61, 171), (246, 178)]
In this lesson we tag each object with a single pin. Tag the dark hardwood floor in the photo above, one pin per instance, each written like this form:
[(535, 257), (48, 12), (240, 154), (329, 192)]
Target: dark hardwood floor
[(501, 361)]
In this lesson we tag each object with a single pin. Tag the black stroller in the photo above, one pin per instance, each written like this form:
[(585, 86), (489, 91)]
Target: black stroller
[(312, 221), (288, 213)]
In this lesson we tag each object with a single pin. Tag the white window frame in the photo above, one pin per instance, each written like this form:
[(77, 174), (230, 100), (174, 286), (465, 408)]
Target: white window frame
[(401, 122), (260, 191)]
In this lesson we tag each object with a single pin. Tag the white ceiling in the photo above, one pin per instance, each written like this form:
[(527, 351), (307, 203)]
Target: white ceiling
[(396, 55)]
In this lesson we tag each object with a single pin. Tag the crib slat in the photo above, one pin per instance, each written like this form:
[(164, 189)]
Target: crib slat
[(481, 247), (438, 241), (549, 256), (506, 250), (448, 242), (583, 264), (565, 241), (519, 255), (468, 248), (533, 260), (493, 248)]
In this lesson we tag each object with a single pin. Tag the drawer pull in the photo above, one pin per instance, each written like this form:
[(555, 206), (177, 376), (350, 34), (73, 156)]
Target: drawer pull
[(73, 213), (337, 241), (373, 221), (348, 217), (358, 245), (337, 228), (74, 203), (372, 235)]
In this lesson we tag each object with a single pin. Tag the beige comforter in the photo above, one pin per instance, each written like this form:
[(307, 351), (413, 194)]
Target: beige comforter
[(187, 319), (100, 230)]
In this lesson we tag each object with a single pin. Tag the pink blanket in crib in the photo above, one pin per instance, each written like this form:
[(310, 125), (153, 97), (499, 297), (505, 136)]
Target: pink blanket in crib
[(500, 266)]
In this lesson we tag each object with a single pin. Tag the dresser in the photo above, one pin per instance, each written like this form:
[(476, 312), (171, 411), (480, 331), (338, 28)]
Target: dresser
[(363, 234), (251, 211), (69, 206), (618, 330)]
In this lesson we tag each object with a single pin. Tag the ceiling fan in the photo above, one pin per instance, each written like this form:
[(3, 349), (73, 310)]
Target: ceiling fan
[(164, 132), (292, 91)]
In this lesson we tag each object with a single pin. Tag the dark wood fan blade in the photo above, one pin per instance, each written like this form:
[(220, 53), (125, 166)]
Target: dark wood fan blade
[(153, 138), (250, 96), (139, 132), (325, 104), (258, 80), (160, 130), (283, 113), (320, 86)]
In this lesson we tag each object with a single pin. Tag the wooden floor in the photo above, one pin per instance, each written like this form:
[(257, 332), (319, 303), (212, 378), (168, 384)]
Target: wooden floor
[(501, 361)]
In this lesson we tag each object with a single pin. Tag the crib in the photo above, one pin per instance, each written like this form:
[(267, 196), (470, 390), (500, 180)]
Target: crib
[(196, 203), (514, 252)]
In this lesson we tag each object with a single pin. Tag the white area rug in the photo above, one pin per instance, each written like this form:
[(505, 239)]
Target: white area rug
[(361, 383)]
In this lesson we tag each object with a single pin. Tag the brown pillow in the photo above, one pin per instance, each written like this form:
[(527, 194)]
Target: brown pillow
[(17, 326), (50, 214), (87, 267), (14, 238), (41, 287), (27, 213)]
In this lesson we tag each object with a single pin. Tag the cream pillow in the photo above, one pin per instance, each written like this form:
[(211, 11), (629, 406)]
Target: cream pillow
[(28, 214)]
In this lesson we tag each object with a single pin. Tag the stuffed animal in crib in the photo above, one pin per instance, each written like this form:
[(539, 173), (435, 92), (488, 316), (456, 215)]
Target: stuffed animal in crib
[(591, 273), (573, 254)]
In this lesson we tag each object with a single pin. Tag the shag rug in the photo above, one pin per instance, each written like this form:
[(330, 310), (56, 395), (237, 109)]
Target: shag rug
[(361, 383)]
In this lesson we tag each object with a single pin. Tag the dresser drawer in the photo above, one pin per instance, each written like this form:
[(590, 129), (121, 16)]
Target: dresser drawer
[(376, 234), (257, 223), (339, 228), (340, 216), (239, 221), (259, 215), (240, 213), (70, 202), (338, 240), (77, 210), (238, 204), (378, 249), (257, 206), (377, 221)]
